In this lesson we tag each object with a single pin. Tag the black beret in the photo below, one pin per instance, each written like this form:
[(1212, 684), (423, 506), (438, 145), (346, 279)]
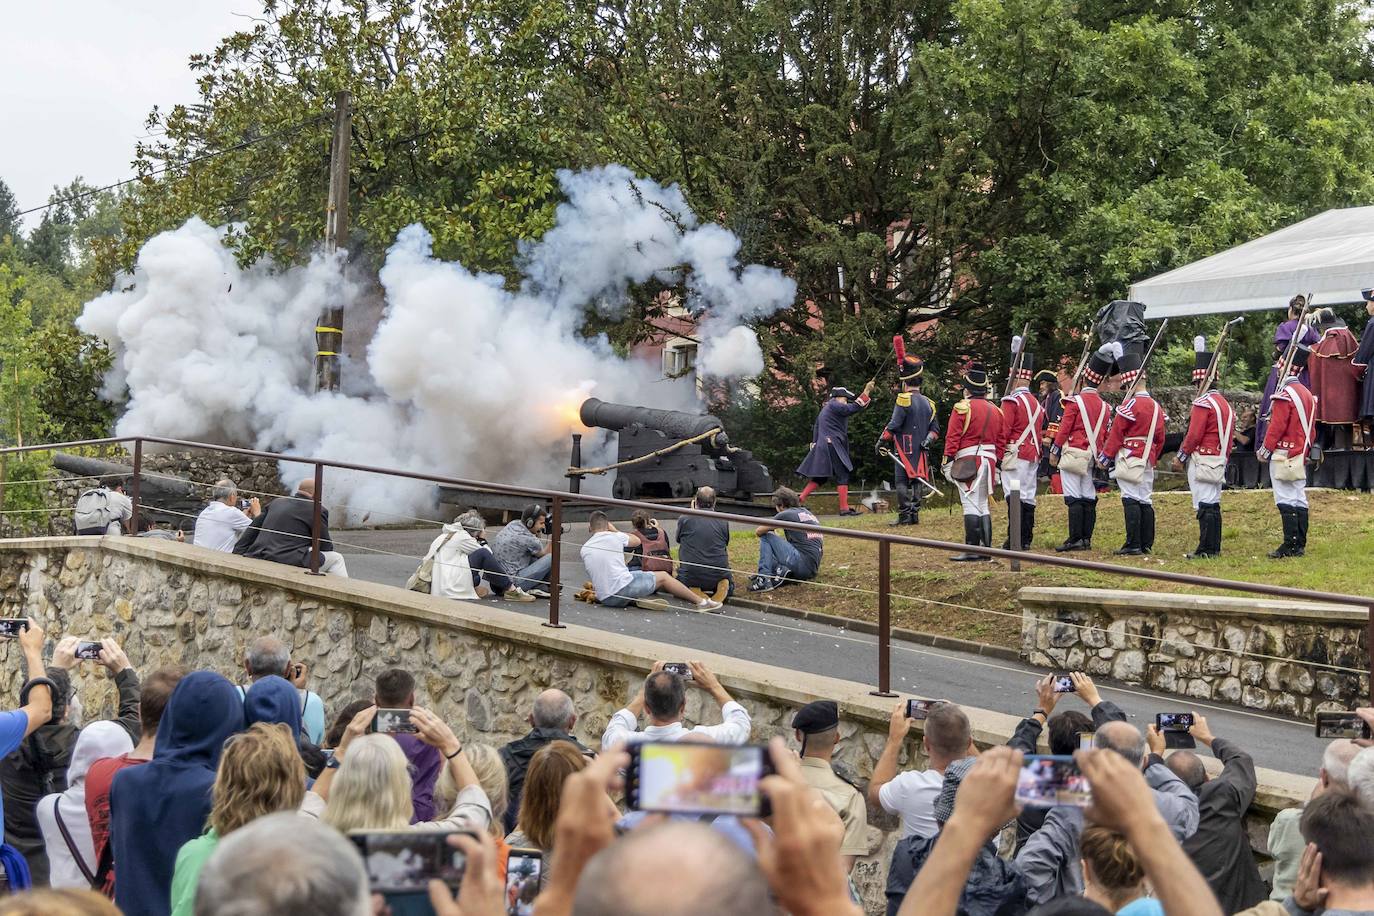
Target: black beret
[(819, 716)]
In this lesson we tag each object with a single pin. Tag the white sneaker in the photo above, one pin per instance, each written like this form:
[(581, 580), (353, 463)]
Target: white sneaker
[(538, 592), (515, 593), (710, 606)]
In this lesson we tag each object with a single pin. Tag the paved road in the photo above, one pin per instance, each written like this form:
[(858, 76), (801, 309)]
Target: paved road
[(1004, 686)]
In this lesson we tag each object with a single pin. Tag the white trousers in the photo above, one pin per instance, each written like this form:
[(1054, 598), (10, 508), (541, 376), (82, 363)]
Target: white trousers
[(1078, 486), (1288, 492), (974, 499), (1026, 474), (1140, 492), (1201, 492), (332, 564)]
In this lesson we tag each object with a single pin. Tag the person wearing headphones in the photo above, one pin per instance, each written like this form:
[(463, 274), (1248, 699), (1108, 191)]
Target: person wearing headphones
[(521, 549)]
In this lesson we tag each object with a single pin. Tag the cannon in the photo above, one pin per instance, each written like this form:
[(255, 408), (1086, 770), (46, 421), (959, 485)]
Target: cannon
[(668, 454)]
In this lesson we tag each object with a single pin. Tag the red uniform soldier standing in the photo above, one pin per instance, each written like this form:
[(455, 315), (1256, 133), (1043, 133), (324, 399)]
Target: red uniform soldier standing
[(1082, 431), (1133, 447), (1205, 451), (1287, 440), (1023, 423), (971, 437)]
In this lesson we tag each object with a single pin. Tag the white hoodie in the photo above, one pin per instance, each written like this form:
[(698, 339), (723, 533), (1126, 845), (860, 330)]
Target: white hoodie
[(452, 575), (96, 741)]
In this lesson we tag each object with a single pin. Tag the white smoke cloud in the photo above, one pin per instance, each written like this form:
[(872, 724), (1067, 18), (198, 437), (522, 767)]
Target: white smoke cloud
[(469, 379)]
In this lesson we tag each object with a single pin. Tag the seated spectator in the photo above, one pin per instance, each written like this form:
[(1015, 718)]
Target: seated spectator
[(992, 886), (1244, 436), (523, 553), (614, 584), (103, 510), (152, 701), (1064, 730), (1114, 876), (147, 528), (1286, 844), (62, 816), (220, 523), (368, 786), (911, 795), (268, 656), (703, 550), (283, 865), (549, 770), (259, 773), (1221, 846), (464, 567), (654, 552), (39, 766), (552, 719), (664, 699), (283, 533), (64, 902), (155, 808), (793, 556), (396, 690), (816, 726)]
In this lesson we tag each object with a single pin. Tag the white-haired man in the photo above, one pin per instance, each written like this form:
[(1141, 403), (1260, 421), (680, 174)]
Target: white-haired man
[(221, 522)]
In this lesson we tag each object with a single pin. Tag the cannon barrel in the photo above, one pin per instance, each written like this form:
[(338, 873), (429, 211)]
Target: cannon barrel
[(110, 471), (672, 423)]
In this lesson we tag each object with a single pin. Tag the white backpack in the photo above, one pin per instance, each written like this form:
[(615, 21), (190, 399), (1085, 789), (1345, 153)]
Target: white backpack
[(93, 510)]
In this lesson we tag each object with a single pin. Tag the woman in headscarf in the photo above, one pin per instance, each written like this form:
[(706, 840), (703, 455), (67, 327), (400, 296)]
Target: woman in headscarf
[(62, 816)]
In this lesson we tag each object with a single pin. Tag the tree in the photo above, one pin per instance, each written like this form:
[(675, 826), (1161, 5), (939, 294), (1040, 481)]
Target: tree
[(9, 213)]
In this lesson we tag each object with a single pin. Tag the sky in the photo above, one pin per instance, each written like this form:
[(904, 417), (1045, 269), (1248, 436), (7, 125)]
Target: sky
[(78, 78)]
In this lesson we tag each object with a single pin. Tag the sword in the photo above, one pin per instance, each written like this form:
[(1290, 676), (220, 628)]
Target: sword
[(910, 471)]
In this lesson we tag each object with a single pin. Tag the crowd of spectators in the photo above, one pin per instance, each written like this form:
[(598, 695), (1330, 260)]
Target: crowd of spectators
[(205, 797)]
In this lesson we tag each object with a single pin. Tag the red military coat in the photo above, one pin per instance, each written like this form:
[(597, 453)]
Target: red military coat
[(1293, 408), (1131, 427), (975, 423), (1084, 408), (1335, 378), (1021, 411), (1204, 436)]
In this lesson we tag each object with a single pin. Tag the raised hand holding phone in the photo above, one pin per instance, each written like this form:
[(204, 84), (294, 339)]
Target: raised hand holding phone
[(481, 892)]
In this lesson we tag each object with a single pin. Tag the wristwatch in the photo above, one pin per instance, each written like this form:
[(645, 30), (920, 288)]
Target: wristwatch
[(331, 762)]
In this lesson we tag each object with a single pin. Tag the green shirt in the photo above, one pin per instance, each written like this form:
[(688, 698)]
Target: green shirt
[(190, 860)]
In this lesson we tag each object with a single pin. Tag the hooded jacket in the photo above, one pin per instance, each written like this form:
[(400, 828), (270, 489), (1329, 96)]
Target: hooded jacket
[(96, 741), (452, 576), (156, 807), (272, 699)]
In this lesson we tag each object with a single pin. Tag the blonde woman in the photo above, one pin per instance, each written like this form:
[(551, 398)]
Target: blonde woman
[(491, 776), (367, 784), (260, 772)]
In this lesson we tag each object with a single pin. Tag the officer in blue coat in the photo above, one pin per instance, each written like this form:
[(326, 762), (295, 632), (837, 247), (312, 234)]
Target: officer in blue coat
[(828, 458), (913, 426)]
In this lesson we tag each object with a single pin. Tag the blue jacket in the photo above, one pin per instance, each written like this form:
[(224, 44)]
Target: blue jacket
[(995, 887), (273, 699), (913, 422), (156, 807), (830, 439)]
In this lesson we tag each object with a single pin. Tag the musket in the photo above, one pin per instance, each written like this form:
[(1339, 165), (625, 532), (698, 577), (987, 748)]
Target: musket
[(1285, 363), (1082, 361), (1018, 351), (1215, 365), (1135, 385)]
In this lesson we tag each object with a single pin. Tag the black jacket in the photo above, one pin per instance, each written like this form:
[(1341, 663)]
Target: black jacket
[(1221, 846), (39, 768), (516, 756), (282, 533), (995, 887)]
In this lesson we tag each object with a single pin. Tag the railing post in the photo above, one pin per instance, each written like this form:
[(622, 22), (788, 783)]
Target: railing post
[(556, 560), (134, 486), (1014, 521), (884, 621), (1369, 649), (317, 522)]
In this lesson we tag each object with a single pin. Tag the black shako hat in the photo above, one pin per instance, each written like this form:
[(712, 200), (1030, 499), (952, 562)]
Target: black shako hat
[(818, 716)]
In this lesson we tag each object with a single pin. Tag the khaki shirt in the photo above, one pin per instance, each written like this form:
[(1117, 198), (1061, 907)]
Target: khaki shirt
[(844, 799)]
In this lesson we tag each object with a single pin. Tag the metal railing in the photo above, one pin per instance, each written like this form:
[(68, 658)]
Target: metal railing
[(884, 540)]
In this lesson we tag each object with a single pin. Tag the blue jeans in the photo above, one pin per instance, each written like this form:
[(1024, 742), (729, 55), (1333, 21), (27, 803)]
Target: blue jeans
[(535, 574), (483, 563), (774, 551), (642, 585)]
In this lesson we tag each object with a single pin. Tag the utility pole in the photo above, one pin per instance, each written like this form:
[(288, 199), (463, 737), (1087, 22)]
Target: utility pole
[(329, 326)]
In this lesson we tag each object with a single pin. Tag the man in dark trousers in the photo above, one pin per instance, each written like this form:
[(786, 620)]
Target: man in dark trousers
[(913, 426), (1221, 846), (282, 534), (1287, 440), (1205, 451), (971, 437), (829, 458)]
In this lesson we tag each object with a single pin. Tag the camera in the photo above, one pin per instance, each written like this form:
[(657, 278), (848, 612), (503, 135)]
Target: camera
[(1342, 725), (681, 669), (403, 862), (1046, 781), (88, 650), (245, 504), (919, 709), (1063, 683), (711, 779), (1174, 727), (393, 722)]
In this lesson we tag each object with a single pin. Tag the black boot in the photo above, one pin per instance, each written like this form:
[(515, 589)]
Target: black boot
[(1089, 523), (986, 525), (973, 534), (1075, 512), (903, 501), (1131, 548), (1027, 525), (1200, 552), (1209, 532), (914, 512), (1290, 537), (1147, 527), (1299, 530), (1215, 530)]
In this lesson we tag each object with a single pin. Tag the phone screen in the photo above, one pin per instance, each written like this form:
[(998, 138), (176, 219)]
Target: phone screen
[(393, 722), (697, 778), (681, 669), (1181, 721), (524, 869), (1046, 781), (1085, 740), (85, 649), (404, 862), (11, 627), (919, 709), (1063, 683), (1341, 725)]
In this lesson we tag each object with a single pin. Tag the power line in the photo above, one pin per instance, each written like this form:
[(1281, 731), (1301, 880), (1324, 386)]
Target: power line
[(192, 161)]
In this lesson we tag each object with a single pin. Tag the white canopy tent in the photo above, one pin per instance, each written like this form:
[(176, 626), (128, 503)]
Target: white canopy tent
[(1330, 255)]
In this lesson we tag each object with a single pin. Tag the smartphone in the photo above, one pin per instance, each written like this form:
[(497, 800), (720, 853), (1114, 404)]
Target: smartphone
[(524, 869), (1085, 740), (403, 862), (10, 626), (1341, 725), (681, 669), (687, 778), (87, 649), (1047, 780), (393, 722), (1175, 721), (297, 669), (919, 709), (1063, 683)]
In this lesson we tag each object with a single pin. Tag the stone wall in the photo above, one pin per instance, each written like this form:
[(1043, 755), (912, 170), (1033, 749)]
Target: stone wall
[(478, 666), (1213, 648)]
